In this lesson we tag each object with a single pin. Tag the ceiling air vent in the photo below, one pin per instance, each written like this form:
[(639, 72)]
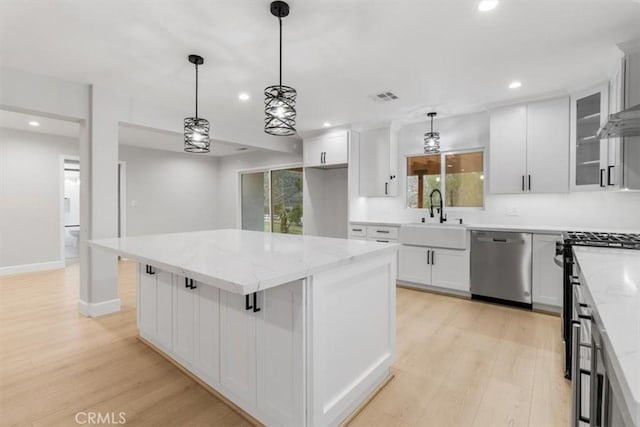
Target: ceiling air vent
[(384, 97)]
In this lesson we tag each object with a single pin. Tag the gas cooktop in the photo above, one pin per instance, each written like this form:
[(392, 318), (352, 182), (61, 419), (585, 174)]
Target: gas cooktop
[(612, 240)]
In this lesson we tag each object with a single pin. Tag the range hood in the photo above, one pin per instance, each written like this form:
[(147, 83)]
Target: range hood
[(626, 123), (623, 124)]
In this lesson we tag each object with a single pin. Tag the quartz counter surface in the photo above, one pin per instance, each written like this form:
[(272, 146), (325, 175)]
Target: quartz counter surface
[(241, 261), (612, 288)]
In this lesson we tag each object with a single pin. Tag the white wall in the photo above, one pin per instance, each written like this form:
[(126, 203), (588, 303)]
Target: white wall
[(571, 210), (169, 192), (229, 185), (30, 196)]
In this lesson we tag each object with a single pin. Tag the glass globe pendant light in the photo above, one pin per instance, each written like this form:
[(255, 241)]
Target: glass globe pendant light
[(431, 139), (280, 100), (196, 129)]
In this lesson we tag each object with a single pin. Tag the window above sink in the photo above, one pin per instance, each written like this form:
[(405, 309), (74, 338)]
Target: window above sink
[(458, 175)]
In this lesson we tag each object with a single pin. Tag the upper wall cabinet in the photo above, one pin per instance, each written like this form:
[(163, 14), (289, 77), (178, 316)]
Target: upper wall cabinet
[(325, 151), (589, 155), (377, 164), (529, 150)]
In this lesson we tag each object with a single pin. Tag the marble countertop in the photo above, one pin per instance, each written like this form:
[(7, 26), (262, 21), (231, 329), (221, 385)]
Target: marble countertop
[(543, 229), (241, 261), (612, 288)]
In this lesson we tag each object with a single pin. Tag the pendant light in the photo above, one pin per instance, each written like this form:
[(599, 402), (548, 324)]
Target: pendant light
[(280, 101), (431, 139), (196, 129)]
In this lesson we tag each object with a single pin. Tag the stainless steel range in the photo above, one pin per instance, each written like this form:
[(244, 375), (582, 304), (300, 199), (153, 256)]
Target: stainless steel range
[(564, 258)]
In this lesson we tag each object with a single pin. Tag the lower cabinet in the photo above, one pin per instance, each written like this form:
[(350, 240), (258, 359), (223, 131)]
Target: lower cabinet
[(546, 275), (442, 268), (155, 299), (238, 354), (250, 348)]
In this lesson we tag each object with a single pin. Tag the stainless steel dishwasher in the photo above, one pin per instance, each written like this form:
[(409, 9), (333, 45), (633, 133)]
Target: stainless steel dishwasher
[(501, 266)]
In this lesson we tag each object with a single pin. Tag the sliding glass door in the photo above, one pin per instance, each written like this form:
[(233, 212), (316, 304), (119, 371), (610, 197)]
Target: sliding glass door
[(272, 200)]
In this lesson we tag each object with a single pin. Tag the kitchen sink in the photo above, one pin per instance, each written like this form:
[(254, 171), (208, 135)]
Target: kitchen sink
[(450, 236)]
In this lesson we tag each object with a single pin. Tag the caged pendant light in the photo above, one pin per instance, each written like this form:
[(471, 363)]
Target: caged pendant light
[(196, 129), (431, 139), (280, 100)]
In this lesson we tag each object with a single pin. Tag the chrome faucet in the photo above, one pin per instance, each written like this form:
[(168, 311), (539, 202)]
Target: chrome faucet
[(440, 209)]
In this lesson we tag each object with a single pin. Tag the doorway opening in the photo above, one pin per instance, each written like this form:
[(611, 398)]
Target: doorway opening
[(71, 209)]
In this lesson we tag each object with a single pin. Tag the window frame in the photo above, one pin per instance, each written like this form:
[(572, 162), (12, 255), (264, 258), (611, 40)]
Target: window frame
[(443, 183)]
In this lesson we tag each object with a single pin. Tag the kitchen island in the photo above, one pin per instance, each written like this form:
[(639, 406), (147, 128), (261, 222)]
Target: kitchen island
[(294, 330)]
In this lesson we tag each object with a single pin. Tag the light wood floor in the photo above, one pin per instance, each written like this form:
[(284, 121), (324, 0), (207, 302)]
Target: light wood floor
[(460, 363)]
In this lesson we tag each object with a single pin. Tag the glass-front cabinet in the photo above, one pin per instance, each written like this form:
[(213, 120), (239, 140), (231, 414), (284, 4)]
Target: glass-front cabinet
[(589, 155)]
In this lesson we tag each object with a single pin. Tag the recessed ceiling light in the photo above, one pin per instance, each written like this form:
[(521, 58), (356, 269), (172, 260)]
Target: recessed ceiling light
[(326, 124), (487, 5), (34, 123), (515, 85), (243, 96)]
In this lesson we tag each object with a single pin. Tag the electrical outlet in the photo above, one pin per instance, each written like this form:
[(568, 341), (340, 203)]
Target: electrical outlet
[(512, 211)]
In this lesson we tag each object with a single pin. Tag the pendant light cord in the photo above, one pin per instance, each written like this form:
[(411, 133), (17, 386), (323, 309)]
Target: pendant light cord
[(196, 90), (280, 20)]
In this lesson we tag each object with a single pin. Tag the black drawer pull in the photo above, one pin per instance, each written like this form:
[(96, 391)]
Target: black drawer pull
[(382, 231), (188, 283), (500, 240), (255, 303), (150, 270), (247, 303), (356, 229)]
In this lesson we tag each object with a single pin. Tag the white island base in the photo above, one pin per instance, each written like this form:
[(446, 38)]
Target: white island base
[(303, 353)]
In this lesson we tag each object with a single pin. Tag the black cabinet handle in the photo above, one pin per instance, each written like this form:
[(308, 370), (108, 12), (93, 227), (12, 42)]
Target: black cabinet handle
[(609, 175), (433, 257), (255, 303), (382, 231), (188, 283), (522, 182), (428, 259), (247, 303), (386, 188), (601, 183), (529, 182), (150, 270)]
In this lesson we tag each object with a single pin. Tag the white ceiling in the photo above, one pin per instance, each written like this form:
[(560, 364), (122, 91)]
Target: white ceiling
[(127, 135), (431, 53), (12, 120), (171, 141)]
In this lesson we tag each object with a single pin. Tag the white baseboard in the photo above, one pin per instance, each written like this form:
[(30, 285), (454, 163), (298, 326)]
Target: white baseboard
[(30, 268), (99, 308)]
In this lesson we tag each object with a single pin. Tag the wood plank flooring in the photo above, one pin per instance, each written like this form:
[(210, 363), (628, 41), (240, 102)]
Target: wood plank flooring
[(459, 363)]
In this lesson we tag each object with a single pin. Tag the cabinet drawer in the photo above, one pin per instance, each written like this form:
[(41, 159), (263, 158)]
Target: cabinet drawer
[(357, 231), (382, 232)]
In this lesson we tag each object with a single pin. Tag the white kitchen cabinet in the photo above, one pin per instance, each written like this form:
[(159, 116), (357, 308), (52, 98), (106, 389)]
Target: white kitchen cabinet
[(376, 161), (207, 343), (238, 357), (329, 150), (184, 321), (450, 269), (155, 291), (280, 349), (546, 275), (589, 155), (437, 267), (508, 150), (548, 146), (414, 265), (196, 338), (529, 151)]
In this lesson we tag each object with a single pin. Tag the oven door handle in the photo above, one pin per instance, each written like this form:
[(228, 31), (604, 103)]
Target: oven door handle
[(559, 261)]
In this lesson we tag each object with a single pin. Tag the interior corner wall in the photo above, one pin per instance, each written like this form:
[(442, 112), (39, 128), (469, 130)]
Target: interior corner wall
[(169, 192), (30, 196), (228, 206)]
